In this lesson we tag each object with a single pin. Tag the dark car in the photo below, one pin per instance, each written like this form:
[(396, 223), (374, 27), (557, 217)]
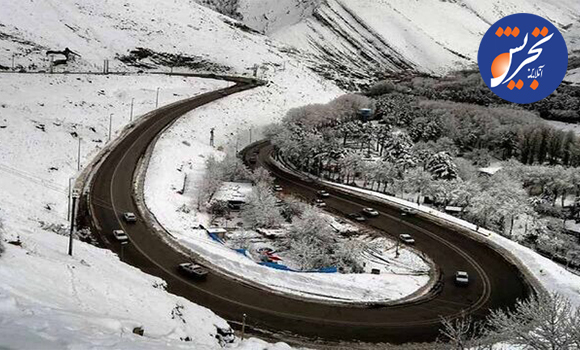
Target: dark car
[(356, 217), (193, 270)]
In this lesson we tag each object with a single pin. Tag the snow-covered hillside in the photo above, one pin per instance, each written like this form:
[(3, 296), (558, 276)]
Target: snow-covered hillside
[(359, 37), (93, 299)]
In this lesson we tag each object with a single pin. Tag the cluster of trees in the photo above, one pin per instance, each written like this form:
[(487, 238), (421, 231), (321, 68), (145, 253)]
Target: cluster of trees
[(433, 148), (468, 87), (545, 321), (313, 244), (505, 132), (310, 241)]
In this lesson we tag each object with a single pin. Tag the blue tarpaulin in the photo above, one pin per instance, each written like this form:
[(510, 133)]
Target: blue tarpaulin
[(331, 269), (216, 238)]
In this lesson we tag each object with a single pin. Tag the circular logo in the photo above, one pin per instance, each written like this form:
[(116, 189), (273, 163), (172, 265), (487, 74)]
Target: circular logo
[(523, 58)]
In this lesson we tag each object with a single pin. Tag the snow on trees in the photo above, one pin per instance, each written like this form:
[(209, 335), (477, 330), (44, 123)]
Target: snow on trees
[(441, 165), (544, 321), (260, 210), (313, 244)]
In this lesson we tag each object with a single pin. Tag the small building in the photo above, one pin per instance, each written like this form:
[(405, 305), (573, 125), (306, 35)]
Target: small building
[(234, 193), (490, 170), (218, 234)]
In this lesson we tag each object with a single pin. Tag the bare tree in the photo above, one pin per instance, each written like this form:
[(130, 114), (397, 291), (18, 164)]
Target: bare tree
[(463, 333)]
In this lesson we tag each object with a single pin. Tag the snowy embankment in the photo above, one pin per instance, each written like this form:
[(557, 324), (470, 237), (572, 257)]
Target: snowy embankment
[(48, 299), (182, 151), (553, 277)]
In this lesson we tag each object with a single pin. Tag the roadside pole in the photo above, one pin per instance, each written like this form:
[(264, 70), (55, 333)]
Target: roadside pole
[(157, 99), (79, 156), (132, 102), (110, 125), (244, 326), (75, 196)]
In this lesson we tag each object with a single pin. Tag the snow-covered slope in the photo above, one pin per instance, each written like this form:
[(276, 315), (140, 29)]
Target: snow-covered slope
[(93, 299), (360, 37)]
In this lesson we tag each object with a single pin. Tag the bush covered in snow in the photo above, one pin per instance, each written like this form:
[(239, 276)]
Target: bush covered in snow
[(260, 210), (312, 243)]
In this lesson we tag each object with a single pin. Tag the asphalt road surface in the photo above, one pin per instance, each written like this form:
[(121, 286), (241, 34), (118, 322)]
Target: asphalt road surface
[(494, 282)]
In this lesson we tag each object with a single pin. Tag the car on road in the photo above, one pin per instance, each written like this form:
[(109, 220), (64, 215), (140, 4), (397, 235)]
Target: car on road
[(279, 202), (193, 270), (370, 212), (356, 217), (120, 235), (408, 211), (323, 194), (129, 217), (406, 238), (461, 278), (319, 203), (277, 188)]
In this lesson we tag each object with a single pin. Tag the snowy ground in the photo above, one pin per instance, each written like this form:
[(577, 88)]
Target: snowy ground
[(49, 300)]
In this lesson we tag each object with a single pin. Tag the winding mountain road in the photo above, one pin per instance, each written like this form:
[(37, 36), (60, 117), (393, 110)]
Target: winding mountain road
[(495, 282)]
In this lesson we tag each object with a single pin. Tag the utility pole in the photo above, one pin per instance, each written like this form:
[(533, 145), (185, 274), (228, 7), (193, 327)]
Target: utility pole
[(13, 55), (243, 326), (68, 198), (397, 250), (132, 102), (157, 99), (79, 156), (110, 125), (75, 196), (250, 135)]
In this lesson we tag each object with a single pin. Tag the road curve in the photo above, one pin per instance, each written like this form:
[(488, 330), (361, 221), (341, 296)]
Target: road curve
[(496, 282)]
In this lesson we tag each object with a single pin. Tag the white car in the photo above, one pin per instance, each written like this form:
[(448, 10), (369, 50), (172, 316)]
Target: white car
[(323, 194), (277, 188), (370, 212), (129, 217), (461, 278), (120, 235), (408, 211), (319, 203), (406, 238)]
